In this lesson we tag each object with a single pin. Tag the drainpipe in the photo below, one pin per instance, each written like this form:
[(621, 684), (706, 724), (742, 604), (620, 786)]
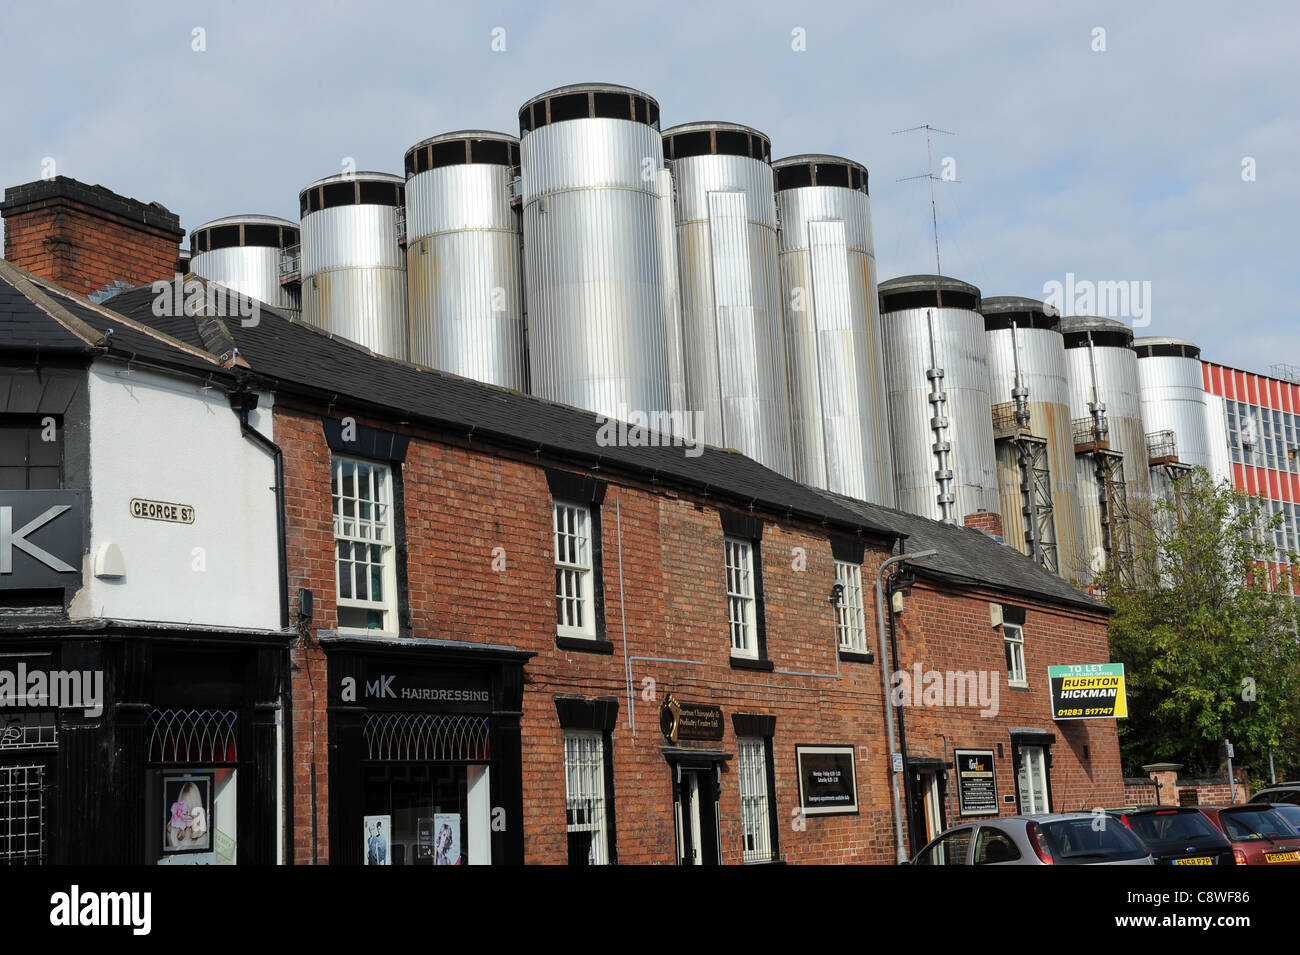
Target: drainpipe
[(242, 402), (883, 608)]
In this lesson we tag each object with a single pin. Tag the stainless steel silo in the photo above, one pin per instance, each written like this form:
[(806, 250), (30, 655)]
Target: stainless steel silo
[(839, 420), (732, 327), (1110, 438), (1031, 423), (591, 155), (937, 376), (243, 254), (463, 257), (1171, 385), (353, 266)]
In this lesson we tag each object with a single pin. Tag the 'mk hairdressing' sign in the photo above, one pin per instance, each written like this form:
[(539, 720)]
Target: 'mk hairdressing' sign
[(40, 539)]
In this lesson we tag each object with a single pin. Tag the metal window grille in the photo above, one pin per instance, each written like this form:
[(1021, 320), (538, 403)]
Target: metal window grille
[(22, 815), (741, 611), (1014, 637), (755, 822), (850, 621), (426, 737), (30, 730), (584, 789), (362, 535), (192, 736), (572, 526)]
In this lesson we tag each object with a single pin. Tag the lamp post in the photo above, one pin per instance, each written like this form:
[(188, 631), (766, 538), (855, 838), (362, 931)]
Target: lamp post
[(881, 610)]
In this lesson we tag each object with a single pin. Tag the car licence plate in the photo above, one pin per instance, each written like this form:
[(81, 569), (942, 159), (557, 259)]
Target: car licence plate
[(1282, 856), (1195, 860)]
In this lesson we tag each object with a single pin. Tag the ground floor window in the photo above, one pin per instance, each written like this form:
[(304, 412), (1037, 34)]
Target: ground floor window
[(755, 801), (584, 787), (192, 787)]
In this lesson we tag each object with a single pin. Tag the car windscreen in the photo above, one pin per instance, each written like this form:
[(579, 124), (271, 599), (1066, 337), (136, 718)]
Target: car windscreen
[(1085, 841), (1255, 825), (1172, 828)]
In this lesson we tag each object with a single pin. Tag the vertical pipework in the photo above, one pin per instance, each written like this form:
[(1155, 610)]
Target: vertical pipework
[(939, 425)]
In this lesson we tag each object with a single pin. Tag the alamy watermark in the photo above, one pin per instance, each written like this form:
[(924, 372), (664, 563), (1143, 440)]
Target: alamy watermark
[(921, 687), (1124, 299), (634, 428), (181, 297), (63, 689)]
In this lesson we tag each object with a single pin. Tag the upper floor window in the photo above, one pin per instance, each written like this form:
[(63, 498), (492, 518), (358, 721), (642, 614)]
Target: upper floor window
[(1013, 636), (850, 619), (742, 604), (363, 538), (575, 612), (31, 453)]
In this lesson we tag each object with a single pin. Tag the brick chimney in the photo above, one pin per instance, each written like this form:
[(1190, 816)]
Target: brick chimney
[(986, 521), (88, 238)]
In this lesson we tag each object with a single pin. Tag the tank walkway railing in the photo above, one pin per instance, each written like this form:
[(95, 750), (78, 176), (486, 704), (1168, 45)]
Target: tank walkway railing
[(1007, 422), (1162, 448), (1091, 434), (291, 264)]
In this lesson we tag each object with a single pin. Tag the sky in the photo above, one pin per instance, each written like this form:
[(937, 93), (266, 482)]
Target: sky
[(1109, 142)]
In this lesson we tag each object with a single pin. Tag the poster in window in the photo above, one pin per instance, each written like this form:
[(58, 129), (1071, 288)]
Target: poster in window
[(187, 804), (377, 836), (446, 840), (827, 780)]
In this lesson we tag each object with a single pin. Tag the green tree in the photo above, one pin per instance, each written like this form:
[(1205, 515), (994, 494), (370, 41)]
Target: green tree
[(1208, 635)]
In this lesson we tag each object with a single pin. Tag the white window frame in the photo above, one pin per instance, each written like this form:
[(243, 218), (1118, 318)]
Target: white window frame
[(375, 531), (1033, 766), (1016, 644), (755, 800), (742, 599), (584, 789), (574, 570), (850, 615)]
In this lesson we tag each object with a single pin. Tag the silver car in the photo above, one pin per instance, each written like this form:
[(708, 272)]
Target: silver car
[(1065, 838)]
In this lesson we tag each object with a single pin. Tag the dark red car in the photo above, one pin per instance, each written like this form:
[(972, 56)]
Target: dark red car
[(1258, 833)]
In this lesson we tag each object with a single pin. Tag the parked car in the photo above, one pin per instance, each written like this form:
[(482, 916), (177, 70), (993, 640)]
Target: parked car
[(1290, 812), (1279, 792), (1258, 833), (1070, 838), (1178, 835)]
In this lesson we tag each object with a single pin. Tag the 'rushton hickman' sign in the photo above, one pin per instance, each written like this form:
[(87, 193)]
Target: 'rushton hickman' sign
[(1088, 691), (162, 511)]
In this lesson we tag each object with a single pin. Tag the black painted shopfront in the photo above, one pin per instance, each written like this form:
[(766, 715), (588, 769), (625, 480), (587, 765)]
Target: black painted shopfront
[(425, 751)]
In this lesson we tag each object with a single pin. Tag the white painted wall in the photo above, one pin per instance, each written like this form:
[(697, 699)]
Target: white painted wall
[(165, 439)]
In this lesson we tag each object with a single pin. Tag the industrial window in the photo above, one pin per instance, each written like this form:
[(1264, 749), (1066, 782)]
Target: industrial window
[(794, 177), (571, 106), (652, 114), (691, 144), (493, 151), (1013, 638), (339, 194), (584, 798), (363, 538), (31, 453), (732, 143), (613, 106), (850, 619), (267, 236), (832, 174), (223, 237), (575, 614), (742, 607), (449, 154), (641, 110), (380, 193), (756, 800)]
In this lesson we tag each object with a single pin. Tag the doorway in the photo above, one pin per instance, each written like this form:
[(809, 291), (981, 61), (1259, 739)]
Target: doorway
[(926, 792), (696, 809)]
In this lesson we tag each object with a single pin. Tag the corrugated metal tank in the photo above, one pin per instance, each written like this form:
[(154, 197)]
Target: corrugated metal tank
[(1172, 388), (463, 257), (243, 254), (353, 266), (960, 349), (1114, 384), (590, 158), (732, 328), (1035, 346), (839, 419)]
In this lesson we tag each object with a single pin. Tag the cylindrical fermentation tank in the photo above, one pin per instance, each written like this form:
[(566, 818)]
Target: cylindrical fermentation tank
[(243, 254), (1102, 369), (591, 155), (1172, 388), (353, 266), (1026, 351), (732, 326), (931, 324), (839, 419), (463, 257)]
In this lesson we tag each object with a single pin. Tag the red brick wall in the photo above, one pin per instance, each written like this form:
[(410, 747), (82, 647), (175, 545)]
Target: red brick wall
[(984, 521), (461, 503), (87, 239), (1140, 794)]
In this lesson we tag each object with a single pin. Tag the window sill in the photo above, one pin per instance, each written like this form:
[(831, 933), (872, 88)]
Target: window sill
[(854, 656), (749, 663), (584, 644), (1017, 685), (365, 632)]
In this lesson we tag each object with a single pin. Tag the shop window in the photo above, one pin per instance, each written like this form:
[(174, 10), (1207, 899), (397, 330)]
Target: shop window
[(363, 537), (1013, 637), (756, 799), (192, 787), (850, 618), (584, 798), (574, 586), (742, 605), (31, 452)]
